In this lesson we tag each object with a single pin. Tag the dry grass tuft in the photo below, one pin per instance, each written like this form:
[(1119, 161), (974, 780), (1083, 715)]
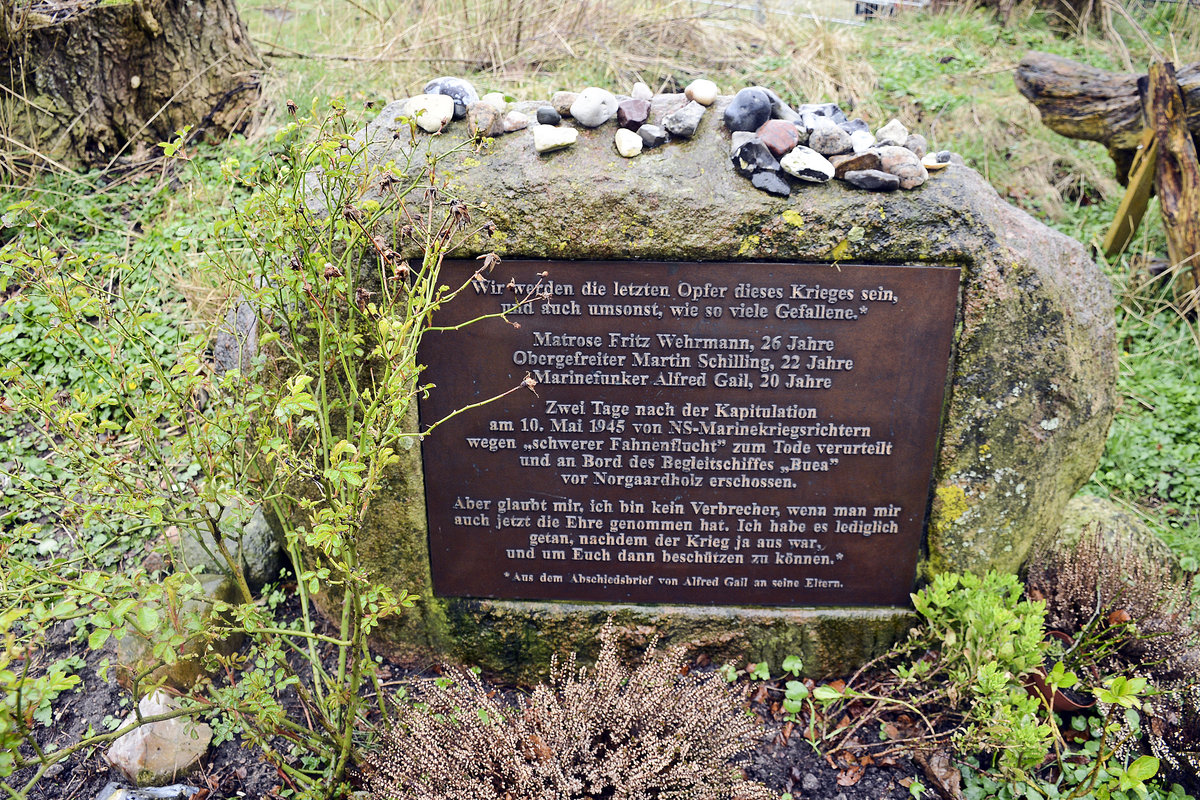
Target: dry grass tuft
[(650, 733)]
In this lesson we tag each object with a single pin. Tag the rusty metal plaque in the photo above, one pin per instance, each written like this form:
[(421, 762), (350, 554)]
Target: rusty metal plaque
[(733, 434)]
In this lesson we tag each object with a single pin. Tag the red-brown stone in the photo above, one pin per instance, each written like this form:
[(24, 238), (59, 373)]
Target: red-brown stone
[(780, 136)]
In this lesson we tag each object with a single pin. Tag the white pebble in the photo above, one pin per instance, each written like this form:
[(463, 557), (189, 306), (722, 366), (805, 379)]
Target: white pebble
[(431, 111), (496, 101), (641, 91), (703, 91), (862, 141), (894, 133), (628, 143), (553, 137), (594, 107)]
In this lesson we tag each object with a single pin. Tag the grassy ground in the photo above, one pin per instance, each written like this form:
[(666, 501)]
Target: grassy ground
[(948, 75)]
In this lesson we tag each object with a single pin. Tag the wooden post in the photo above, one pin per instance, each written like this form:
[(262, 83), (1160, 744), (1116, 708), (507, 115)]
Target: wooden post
[(1178, 176), (1137, 197)]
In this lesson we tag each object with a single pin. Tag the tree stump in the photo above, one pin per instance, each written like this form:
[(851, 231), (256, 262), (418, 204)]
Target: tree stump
[(88, 82)]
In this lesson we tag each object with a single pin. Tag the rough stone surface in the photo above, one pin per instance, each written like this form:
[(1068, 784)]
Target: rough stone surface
[(872, 180), (158, 753), (249, 538), (904, 164), (1029, 396), (683, 123), (862, 140), (515, 121), (1119, 528), (753, 156)]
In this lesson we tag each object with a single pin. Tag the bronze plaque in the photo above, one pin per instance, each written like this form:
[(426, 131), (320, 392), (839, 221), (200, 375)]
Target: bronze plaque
[(728, 434)]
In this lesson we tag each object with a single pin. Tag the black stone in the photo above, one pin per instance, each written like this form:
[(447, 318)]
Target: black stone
[(771, 183), (873, 180), (748, 110), (546, 115), (854, 125), (652, 136), (753, 157), (462, 92)]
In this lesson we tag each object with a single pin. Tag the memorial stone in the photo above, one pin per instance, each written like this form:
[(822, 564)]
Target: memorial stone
[(849, 390)]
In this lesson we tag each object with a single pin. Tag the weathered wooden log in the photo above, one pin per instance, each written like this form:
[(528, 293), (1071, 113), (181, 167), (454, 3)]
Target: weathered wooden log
[(1083, 102), (1178, 176), (83, 81)]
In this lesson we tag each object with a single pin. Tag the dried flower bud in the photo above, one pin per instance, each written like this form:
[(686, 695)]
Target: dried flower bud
[(291, 107), (331, 271)]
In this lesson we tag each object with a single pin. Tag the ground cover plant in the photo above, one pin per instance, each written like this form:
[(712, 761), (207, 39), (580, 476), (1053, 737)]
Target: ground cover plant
[(88, 258)]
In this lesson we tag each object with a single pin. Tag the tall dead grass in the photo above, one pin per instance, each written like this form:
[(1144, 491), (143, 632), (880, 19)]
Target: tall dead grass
[(535, 46)]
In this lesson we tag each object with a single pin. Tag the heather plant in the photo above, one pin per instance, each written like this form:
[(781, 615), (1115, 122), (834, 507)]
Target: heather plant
[(1129, 615), (651, 732)]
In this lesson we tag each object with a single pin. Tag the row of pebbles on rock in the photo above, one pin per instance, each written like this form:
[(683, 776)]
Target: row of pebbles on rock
[(814, 143)]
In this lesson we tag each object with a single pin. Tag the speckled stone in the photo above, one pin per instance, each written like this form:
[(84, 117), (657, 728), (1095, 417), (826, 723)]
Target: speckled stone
[(684, 121), (917, 143), (853, 125), (484, 120), (461, 92), (546, 115), (779, 136), (562, 102), (748, 110), (515, 121), (829, 140), (632, 114), (904, 164), (832, 111), (652, 136), (873, 180)]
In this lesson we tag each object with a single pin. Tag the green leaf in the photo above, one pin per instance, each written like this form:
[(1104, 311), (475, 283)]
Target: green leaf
[(825, 693), (1145, 768)]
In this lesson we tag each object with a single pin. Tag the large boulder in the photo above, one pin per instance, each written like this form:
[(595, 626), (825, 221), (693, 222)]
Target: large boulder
[(1031, 390)]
